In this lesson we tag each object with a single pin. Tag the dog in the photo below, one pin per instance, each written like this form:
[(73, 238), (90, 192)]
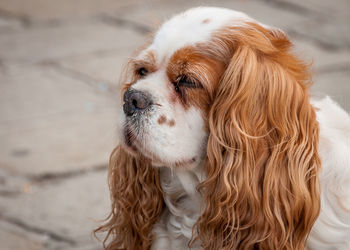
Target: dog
[(221, 146)]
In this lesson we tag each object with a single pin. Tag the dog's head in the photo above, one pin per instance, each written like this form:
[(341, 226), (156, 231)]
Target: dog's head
[(173, 82), (216, 87)]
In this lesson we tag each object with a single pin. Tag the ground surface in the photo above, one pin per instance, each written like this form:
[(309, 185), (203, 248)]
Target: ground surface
[(59, 63)]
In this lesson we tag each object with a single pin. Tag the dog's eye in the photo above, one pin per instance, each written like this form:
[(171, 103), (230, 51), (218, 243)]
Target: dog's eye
[(183, 81), (141, 71), (186, 82)]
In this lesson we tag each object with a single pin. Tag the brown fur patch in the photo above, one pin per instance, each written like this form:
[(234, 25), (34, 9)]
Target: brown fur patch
[(262, 150), (206, 71), (171, 123), (162, 119)]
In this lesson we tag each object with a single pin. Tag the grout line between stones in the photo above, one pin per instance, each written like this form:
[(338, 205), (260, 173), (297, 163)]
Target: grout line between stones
[(42, 178), (54, 236), (10, 16), (293, 7), (47, 178)]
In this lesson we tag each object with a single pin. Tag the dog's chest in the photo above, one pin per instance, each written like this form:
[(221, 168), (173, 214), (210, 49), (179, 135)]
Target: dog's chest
[(174, 230)]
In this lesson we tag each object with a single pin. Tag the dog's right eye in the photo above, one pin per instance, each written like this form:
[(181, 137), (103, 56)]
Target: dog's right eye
[(141, 72)]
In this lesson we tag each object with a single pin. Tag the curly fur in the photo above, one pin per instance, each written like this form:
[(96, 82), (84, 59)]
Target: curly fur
[(137, 201), (262, 161)]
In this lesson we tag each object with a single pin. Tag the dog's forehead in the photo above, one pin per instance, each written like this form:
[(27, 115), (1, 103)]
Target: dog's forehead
[(193, 26)]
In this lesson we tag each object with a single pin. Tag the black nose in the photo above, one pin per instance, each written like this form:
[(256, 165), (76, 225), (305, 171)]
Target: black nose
[(135, 101)]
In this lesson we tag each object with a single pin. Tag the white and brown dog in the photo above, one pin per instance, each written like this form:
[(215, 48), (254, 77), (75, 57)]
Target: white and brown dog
[(221, 147)]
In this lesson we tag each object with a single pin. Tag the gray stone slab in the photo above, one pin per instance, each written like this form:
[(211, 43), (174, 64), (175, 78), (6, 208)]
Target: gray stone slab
[(73, 38), (14, 238), (331, 34), (322, 59), (7, 24), (12, 185), (105, 68), (327, 24), (51, 123), (43, 9), (64, 211), (336, 85), (320, 8)]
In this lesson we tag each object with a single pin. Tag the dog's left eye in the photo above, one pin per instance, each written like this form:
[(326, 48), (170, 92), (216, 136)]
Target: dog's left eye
[(186, 82), (142, 71), (183, 81)]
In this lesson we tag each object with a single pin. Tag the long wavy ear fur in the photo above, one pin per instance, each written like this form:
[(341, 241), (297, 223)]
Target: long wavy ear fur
[(137, 202), (262, 189)]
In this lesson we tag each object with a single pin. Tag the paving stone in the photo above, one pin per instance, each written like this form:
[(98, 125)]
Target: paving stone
[(322, 59), (105, 68), (14, 240), (332, 35), (319, 7), (14, 237), (44, 43), (43, 9), (12, 185), (51, 123), (68, 209), (336, 85), (7, 24), (327, 23)]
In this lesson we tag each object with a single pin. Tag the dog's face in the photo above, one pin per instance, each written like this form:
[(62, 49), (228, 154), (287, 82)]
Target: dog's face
[(166, 104)]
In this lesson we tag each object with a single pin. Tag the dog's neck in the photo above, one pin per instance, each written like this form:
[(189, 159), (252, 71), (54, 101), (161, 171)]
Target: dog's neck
[(182, 199)]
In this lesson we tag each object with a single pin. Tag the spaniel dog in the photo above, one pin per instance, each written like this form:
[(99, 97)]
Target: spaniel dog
[(221, 147)]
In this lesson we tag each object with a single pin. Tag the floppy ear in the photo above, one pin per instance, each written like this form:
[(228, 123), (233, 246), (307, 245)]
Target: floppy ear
[(137, 202), (262, 188)]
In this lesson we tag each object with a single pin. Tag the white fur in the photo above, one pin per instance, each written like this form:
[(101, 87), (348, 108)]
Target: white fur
[(187, 139), (188, 28), (332, 228), (174, 230)]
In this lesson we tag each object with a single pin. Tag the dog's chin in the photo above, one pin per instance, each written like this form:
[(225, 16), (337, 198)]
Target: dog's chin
[(136, 147), (136, 150)]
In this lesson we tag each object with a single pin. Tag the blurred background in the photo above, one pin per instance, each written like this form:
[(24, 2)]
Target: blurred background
[(59, 65)]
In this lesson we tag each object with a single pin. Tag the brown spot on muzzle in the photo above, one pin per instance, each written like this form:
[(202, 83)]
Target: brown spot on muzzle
[(171, 123), (162, 119)]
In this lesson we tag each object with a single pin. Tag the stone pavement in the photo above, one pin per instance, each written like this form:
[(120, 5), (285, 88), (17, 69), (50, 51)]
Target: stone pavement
[(59, 64)]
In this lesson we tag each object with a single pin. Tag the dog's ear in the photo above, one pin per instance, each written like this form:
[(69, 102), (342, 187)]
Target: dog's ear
[(137, 202), (262, 188)]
